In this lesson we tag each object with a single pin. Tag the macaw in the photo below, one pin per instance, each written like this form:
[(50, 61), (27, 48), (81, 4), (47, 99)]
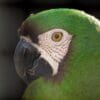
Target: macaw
[(58, 55)]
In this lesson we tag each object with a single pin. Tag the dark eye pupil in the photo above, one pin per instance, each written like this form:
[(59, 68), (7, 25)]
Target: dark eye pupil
[(56, 36)]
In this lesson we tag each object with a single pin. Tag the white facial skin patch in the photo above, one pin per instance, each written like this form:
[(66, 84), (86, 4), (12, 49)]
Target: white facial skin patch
[(52, 50)]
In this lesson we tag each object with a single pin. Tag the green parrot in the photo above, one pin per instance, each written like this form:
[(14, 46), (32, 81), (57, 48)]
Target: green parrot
[(58, 55)]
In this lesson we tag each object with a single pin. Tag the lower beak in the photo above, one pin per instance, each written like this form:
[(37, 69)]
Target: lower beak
[(28, 62)]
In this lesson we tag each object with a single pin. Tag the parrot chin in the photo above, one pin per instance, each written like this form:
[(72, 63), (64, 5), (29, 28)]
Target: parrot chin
[(29, 63)]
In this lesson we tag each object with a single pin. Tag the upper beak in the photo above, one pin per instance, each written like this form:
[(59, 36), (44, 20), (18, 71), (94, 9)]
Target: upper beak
[(28, 62)]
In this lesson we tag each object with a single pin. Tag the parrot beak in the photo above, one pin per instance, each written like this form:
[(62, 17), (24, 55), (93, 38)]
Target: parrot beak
[(28, 62)]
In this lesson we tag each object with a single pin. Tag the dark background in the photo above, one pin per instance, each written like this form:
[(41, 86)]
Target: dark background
[(12, 14)]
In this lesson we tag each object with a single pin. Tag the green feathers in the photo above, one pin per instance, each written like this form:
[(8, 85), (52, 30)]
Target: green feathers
[(81, 80)]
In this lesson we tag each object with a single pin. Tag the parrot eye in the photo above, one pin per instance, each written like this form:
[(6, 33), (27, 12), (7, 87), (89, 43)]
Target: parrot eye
[(57, 36)]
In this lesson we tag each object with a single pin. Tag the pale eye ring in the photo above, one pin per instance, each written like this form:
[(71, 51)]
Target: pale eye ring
[(57, 36)]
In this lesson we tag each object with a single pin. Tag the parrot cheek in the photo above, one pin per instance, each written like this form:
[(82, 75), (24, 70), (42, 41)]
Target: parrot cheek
[(29, 65)]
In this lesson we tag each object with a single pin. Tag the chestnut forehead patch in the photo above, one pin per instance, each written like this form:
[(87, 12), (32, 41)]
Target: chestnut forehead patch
[(29, 30)]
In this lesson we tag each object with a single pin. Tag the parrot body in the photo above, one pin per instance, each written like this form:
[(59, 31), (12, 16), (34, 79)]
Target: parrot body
[(79, 77)]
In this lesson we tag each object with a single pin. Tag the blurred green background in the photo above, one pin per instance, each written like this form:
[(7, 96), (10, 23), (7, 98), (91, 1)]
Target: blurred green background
[(12, 13)]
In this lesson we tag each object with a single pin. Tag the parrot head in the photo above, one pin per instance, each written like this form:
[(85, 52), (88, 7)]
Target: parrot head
[(40, 53), (46, 38)]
